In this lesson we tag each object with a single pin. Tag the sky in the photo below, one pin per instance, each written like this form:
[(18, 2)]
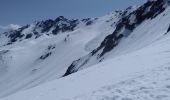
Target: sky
[(15, 13)]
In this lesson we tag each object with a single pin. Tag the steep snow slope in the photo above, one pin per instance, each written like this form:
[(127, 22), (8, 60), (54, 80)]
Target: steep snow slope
[(142, 75), (33, 54), (123, 42), (134, 30)]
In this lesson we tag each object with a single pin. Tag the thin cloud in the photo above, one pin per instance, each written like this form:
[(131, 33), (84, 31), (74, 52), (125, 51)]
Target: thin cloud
[(10, 27)]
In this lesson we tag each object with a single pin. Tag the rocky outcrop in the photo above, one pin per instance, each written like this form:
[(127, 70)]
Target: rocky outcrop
[(125, 26)]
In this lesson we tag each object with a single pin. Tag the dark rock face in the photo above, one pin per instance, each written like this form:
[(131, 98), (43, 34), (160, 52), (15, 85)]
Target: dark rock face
[(16, 34), (87, 21), (45, 55), (28, 36), (47, 25), (74, 66), (48, 52), (168, 29), (71, 68), (148, 11), (60, 24), (125, 26)]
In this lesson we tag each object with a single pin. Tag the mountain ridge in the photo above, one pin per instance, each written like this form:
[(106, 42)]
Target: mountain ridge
[(156, 7), (66, 50)]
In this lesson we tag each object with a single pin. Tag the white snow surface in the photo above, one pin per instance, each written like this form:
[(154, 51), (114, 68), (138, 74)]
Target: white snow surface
[(137, 69), (21, 67), (125, 73)]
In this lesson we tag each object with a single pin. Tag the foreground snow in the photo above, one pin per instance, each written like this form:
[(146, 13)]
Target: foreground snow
[(136, 68), (150, 85), (119, 77)]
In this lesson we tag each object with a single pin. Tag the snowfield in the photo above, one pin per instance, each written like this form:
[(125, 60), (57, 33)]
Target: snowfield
[(150, 85), (142, 75), (31, 62), (136, 68)]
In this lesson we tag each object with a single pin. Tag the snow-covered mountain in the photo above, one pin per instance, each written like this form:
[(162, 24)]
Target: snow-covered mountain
[(125, 26), (39, 61), (43, 50)]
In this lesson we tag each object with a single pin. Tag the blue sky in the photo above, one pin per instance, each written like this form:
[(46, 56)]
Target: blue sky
[(23, 12)]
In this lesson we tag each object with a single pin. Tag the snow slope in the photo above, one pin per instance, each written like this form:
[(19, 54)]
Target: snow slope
[(142, 75), (40, 58), (135, 30), (115, 52)]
